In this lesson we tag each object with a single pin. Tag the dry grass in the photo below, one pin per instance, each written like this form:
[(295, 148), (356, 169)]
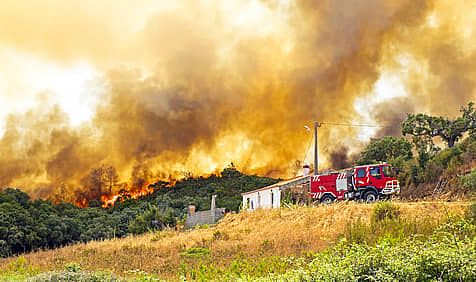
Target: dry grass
[(246, 235)]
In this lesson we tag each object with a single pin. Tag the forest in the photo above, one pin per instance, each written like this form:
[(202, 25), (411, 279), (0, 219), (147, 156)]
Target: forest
[(27, 225)]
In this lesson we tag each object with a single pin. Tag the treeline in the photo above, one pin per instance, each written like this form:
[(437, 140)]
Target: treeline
[(27, 225), (420, 159)]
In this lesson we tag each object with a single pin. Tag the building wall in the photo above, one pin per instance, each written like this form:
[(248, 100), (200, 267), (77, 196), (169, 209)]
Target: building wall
[(204, 217), (264, 199)]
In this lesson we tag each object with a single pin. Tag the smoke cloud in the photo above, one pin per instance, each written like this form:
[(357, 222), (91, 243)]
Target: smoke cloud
[(193, 86)]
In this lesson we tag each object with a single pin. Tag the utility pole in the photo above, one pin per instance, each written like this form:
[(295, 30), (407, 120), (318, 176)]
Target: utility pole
[(316, 148)]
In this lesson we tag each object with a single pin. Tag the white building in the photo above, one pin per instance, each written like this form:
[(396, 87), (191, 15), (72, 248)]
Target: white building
[(269, 197)]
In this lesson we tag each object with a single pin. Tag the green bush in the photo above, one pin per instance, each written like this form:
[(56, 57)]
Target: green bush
[(432, 171), (469, 180), (449, 154), (196, 253), (442, 257), (385, 211), (386, 225), (73, 267), (152, 219), (21, 266), (471, 212)]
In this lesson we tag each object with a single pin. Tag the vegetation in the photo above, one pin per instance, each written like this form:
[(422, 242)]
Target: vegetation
[(27, 225), (432, 162), (448, 163), (469, 180), (344, 241), (228, 187), (389, 149), (253, 244), (439, 258), (423, 125)]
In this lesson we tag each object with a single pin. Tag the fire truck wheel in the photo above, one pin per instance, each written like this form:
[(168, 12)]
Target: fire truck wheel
[(327, 200), (370, 197)]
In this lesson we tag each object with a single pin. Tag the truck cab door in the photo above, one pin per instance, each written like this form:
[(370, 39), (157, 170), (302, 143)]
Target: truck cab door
[(376, 177), (360, 177)]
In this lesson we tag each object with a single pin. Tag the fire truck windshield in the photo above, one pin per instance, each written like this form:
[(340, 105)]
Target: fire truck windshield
[(387, 171)]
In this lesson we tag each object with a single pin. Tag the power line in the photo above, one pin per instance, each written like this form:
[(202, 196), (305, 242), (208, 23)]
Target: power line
[(353, 125)]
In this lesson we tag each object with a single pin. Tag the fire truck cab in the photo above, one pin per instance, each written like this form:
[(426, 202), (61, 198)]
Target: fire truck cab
[(366, 182)]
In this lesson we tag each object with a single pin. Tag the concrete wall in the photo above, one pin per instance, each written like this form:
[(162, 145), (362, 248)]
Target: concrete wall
[(264, 199), (204, 217)]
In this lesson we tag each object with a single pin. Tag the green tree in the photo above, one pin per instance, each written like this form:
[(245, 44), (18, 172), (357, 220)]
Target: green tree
[(469, 113), (152, 219), (449, 130), (389, 149)]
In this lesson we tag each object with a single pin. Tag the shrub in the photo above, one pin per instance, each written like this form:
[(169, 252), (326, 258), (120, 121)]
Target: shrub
[(415, 174), (196, 253), (433, 171), (453, 167), (21, 266), (73, 267), (385, 211), (439, 258), (471, 212), (469, 180), (449, 154)]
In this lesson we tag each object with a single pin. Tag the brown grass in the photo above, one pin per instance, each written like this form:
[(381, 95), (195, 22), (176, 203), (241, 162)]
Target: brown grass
[(256, 234)]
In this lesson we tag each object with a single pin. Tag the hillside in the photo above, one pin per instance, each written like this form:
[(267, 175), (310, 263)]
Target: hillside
[(250, 243), (27, 224)]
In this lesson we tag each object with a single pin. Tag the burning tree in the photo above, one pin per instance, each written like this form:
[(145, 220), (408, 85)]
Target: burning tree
[(140, 176), (110, 177), (100, 178)]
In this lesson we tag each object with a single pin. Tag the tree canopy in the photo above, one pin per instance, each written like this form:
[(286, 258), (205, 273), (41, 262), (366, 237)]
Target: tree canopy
[(386, 150), (423, 125), (27, 225)]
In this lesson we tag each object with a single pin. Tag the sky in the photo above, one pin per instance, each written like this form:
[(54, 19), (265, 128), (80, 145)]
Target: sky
[(159, 89)]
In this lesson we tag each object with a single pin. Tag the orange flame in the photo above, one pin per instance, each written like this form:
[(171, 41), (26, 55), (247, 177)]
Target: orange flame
[(81, 203), (110, 200)]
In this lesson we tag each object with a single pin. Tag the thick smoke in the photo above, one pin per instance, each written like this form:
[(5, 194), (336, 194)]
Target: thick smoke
[(192, 90), (340, 158), (390, 115)]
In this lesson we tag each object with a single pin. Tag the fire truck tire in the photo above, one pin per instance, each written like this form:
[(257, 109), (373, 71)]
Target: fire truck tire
[(370, 196), (327, 200)]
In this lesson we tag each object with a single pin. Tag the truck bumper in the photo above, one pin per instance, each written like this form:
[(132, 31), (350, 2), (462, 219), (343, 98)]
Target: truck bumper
[(391, 187)]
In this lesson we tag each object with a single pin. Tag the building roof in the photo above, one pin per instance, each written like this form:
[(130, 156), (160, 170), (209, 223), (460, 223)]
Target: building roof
[(282, 184)]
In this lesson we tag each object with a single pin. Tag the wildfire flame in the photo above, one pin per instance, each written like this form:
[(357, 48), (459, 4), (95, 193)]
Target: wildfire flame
[(243, 92), (81, 203), (110, 200)]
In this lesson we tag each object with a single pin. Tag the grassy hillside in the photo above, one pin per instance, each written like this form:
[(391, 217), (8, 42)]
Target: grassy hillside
[(27, 224), (252, 243)]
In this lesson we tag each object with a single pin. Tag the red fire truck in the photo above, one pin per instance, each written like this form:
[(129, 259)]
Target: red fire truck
[(367, 183)]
